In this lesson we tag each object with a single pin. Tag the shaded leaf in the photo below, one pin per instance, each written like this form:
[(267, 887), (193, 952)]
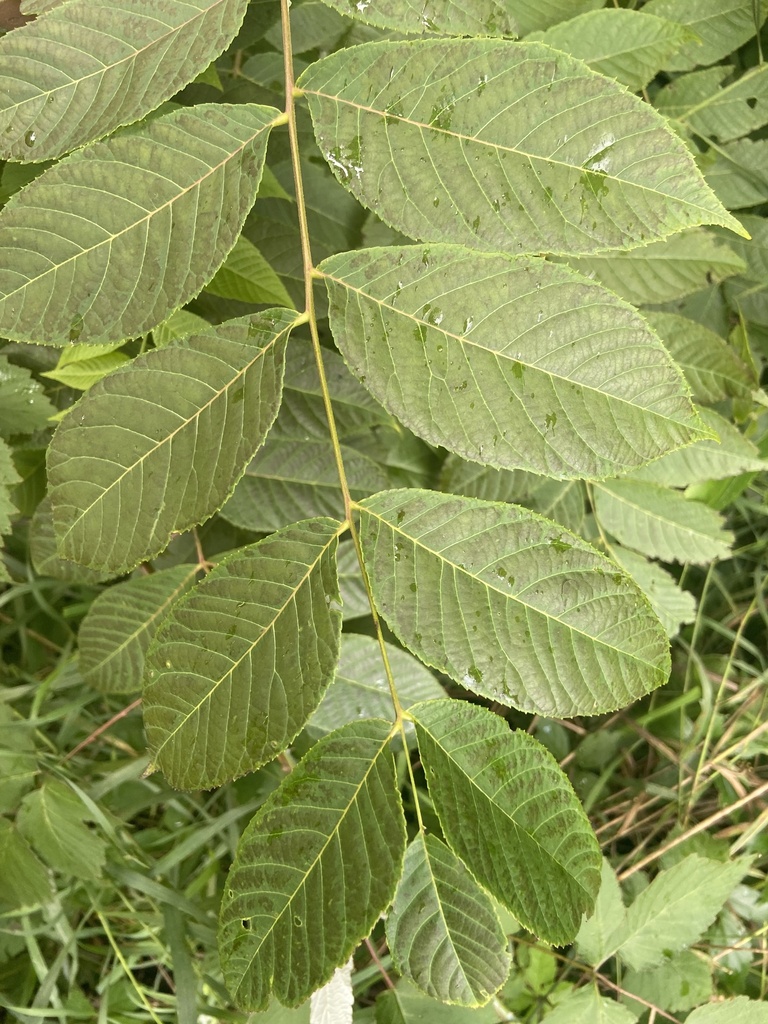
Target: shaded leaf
[(246, 276), (660, 522), (432, 334), (9, 478), (676, 909), (738, 173), (178, 325), (748, 293), (587, 1006), (18, 760), (44, 554), (719, 26), (92, 65), (732, 455), (24, 882), (120, 624), (23, 406), (351, 585), (52, 819), (313, 26), (81, 366), (712, 368), (107, 242), (673, 605), (564, 160), (314, 869), (360, 688), (242, 660), (131, 464), (443, 931), (509, 812), (680, 982), (594, 938), (483, 592), (405, 1004), (630, 46), (661, 271), (727, 111)]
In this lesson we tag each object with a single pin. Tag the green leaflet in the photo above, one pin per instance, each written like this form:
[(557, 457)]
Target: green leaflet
[(24, 882), (482, 592), (738, 172), (502, 146), (360, 688), (718, 26), (665, 270), (405, 1004), (351, 585), (314, 869), (242, 660), (107, 242), (675, 909), (131, 464), (712, 368), (587, 1006), (630, 46), (23, 406), (508, 811), (106, 63), (741, 1009), (509, 361), (81, 366), (443, 931), (246, 276), (700, 101), (52, 820), (120, 624), (446, 17), (680, 982), (660, 522), (594, 938), (44, 554), (673, 605)]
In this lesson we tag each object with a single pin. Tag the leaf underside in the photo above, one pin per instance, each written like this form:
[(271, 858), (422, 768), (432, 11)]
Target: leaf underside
[(509, 604), (242, 660)]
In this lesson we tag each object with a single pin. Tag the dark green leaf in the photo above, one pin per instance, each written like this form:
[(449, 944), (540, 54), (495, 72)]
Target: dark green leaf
[(509, 812), (314, 869), (242, 660)]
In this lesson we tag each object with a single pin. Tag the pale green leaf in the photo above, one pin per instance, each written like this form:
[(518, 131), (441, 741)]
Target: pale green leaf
[(504, 146), (91, 65), (81, 366), (360, 688), (712, 368), (443, 931), (738, 173), (243, 659), (660, 522), (18, 761), (587, 1006), (512, 606), (445, 17), (178, 325), (710, 459), (52, 819), (702, 102), (676, 909), (44, 554), (23, 406), (748, 294), (107, 242), (467, 349), (678, 983), (351, 585), (666, 270), (720, 26), (405, 1004), (131, 464), (246, 276), (630, 46), (673, 605), (24, 882), (120, 624), (594, 938), (730, 1011), (509, 812), (314, 869)]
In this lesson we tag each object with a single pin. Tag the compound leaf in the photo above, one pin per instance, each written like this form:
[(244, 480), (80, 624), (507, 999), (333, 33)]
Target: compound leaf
[(107, 242), (483, 592), (443, 931), (242, 660), (504, 146), (469, 350), (509, 812), (314, 869), (92, 65), (132, 463), (120, 624), (660, 522)]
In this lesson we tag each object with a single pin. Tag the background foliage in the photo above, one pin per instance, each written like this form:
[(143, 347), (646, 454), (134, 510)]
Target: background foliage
[(491, 315)]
